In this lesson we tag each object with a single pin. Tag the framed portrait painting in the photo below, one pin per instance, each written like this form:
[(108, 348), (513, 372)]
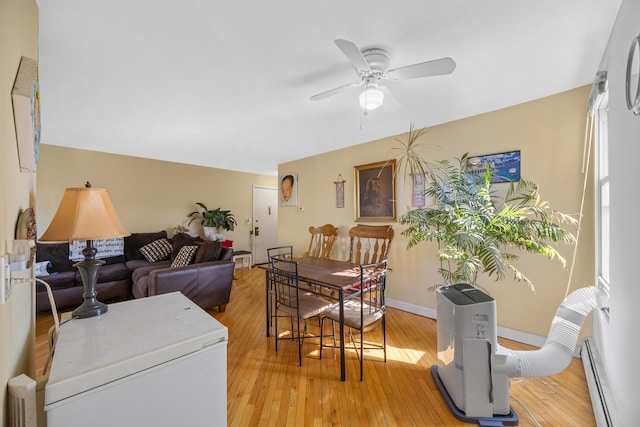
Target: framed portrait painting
[(289, 190), (375, 192)]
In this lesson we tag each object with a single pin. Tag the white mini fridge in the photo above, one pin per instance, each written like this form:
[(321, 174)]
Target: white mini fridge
[(157, 361)]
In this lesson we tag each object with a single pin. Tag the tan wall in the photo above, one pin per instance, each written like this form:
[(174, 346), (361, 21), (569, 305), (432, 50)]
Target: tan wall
[(550, 134), (18, 37), (148, 195)]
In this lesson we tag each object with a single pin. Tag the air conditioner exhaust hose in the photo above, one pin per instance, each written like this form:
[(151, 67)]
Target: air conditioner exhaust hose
[(556, 353)]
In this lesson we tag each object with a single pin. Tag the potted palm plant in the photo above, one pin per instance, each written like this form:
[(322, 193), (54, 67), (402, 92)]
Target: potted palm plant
[(213, 220), (477, 231)]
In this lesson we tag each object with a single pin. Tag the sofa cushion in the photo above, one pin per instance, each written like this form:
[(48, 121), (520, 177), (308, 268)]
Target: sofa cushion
[(57, 254), (66, 279), (135, 264), (185, 256), (182, 239), (208, 251), (133, 243), (140, 287), (118, 259), (226, 254), (113, 272), (146, 269), (158, 250)]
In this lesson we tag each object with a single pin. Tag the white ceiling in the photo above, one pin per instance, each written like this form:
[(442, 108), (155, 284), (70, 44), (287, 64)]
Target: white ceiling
[(226, 84)]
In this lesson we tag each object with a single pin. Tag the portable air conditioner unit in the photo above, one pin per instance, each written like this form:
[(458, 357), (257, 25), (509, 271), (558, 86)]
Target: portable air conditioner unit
[(467, 340), (475, 370)]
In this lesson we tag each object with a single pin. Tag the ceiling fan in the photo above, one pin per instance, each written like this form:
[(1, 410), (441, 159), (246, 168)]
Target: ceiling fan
[(372, 66)]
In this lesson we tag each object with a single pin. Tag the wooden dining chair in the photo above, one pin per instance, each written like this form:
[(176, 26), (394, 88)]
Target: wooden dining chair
[(322, 240), (363, 311), (293, 301), (369, 243)]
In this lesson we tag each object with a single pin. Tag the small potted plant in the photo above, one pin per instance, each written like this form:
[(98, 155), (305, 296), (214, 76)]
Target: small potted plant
[(213, 220)]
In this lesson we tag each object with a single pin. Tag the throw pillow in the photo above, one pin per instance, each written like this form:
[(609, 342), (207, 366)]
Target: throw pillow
[(41, 268), (185, 256), (180, 240), (157, 250), (208, 251), (133, 243)]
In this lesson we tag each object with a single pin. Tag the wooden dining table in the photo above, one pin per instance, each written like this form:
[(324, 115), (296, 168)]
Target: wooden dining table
[(331, 274)]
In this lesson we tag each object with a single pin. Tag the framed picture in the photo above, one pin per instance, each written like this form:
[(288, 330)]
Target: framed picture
[(504, 167), (25, 96), (418, 198), (289, 190), (376, 192), (340, 191)]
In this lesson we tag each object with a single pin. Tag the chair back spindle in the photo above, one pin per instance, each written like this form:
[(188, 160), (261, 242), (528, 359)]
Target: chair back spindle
[(322, 240), (369, 243)]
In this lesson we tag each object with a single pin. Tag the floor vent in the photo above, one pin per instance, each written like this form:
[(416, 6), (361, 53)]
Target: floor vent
[(22, 402), (601, 398)]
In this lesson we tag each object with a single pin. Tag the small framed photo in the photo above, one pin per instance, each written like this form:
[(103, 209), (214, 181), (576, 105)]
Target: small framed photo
[(504, 167), (376, 192), (418, 198), (289, 190)]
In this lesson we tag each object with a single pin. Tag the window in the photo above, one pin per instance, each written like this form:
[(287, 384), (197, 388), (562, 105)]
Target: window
[(601, 123)]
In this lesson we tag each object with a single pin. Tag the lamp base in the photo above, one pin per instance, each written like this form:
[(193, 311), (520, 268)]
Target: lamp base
[(88, 269), (90, 308)]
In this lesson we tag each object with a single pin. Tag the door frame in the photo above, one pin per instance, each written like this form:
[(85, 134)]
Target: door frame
[(253, 218)]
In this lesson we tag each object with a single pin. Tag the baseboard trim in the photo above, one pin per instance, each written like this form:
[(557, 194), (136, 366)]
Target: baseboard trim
[(511, 334), (602, 401)]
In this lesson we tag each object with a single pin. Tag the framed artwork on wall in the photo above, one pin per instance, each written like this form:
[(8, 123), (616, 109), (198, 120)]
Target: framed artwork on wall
[(418, 198), (375, 192), (25, 96), (504, 167), (339, 191), (289, 190)]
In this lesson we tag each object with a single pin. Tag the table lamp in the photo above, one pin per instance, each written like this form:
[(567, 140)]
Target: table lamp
[(86, 214)]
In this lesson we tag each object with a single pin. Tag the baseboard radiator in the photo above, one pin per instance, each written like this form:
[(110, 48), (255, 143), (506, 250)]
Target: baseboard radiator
[(604, 409), (22, 402)]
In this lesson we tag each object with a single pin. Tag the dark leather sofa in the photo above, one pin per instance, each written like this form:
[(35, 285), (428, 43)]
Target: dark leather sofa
[(206, 281)]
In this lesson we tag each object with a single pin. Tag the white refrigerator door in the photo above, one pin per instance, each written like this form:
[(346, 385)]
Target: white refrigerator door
[(152, 361)]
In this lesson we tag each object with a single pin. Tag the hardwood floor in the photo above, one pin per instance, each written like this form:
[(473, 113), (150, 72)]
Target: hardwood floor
[(265, 387)]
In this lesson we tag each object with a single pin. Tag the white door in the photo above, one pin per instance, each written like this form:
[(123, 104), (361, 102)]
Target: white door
[(265, 222)]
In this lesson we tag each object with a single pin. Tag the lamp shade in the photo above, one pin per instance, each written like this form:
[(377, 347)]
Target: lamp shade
[(371, 98), (84, 214)]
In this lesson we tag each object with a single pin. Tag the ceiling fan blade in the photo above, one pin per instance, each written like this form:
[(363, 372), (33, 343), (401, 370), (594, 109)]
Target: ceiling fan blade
[(437, 67), (391, 103), (333, 91), (354, 55)]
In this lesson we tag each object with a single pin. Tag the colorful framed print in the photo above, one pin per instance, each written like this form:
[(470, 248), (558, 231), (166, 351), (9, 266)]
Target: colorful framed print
[(504, 167), (25, 96)]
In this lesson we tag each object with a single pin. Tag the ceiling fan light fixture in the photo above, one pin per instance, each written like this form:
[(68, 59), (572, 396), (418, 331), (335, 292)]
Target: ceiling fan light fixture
[(371, 98)]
